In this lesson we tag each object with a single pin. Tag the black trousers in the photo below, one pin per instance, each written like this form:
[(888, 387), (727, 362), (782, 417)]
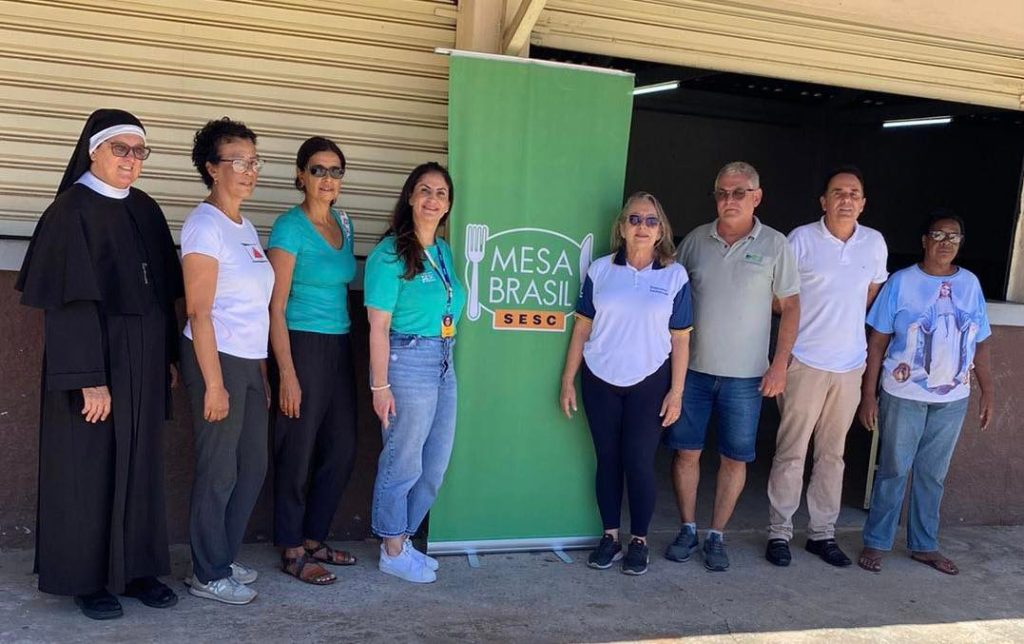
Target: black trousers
[(314, 453), (231, 461), (626, 429)]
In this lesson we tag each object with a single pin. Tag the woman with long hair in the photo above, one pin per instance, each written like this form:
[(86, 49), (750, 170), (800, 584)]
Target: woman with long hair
[(414, 300)]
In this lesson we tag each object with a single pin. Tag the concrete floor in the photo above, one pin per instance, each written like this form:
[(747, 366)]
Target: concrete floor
[(537, 598)]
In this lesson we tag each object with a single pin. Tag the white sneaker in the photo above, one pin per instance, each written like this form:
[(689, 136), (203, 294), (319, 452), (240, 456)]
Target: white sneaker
[(225, 590), (427, 560), (243, 574), (405, 566)]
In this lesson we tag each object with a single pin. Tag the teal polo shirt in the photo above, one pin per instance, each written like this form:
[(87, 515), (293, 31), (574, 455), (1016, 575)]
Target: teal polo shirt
[(417, 305), (318, 300)]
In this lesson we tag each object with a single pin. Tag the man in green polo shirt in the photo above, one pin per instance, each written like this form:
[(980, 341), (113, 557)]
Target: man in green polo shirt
[(736, 266)]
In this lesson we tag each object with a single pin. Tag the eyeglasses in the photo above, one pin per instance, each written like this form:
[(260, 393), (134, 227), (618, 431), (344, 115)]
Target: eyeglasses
[(242, 166), (119, 149), (739, 194), (650, 221), (941, 236), (319, 171)]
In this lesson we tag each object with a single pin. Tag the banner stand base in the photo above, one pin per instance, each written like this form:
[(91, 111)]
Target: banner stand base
[(482, 546), (474, 561), (561, 554)]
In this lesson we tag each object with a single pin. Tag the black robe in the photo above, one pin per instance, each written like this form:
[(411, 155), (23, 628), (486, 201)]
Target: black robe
[(107, 275)]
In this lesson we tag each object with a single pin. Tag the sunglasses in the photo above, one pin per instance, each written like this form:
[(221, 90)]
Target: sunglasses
[(650, 221), (941, 236), (319, 171), (122, 150)]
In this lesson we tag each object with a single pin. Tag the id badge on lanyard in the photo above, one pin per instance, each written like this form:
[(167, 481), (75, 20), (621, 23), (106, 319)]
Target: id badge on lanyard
[(447, 320)]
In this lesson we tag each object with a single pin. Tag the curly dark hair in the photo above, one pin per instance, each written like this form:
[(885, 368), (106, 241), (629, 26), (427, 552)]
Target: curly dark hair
[(207, 141), (311, 146), (407, 245)]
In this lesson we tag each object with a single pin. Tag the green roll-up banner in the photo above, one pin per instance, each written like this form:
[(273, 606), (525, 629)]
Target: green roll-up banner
[(538, 155)]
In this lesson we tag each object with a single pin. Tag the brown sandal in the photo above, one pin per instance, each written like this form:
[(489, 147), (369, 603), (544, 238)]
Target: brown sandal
[(297, 567), (937, 561), (328, 555), (870, 560)]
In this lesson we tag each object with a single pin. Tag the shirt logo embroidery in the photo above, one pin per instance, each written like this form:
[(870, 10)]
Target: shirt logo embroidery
[(754, 258), (659, 290), (426, 278), (254, 252)]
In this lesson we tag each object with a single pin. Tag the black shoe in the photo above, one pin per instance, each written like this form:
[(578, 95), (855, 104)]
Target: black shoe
[(151, 592), (608, 552), (637, 557), (778, 553), (829, 552), (99, 605)]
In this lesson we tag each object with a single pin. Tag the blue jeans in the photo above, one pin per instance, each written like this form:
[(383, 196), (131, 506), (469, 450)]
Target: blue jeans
[(418, 441), (737, 401), (919, 437)]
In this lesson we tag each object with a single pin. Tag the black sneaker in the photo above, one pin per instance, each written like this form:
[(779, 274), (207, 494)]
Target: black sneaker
[(683, 546), (778, 553), (829, 552), (637, 557), (715, 557), (608, 552)]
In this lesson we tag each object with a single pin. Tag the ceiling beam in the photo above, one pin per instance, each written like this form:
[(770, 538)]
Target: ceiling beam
[(517, 34)]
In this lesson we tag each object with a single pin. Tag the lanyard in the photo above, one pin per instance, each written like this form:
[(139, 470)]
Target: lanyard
[(442, 272)]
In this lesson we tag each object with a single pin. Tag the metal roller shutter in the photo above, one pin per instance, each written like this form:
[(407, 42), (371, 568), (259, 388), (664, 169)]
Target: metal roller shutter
[(362, 73), (943, 50)]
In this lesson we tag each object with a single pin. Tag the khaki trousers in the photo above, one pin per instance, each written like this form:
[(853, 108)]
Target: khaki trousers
[(821, 404)]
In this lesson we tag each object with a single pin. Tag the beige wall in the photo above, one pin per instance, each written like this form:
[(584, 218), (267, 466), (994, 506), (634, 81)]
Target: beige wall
[(970, 52)]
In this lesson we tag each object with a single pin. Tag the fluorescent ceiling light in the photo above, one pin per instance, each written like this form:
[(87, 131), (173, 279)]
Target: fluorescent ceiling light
[(657, 87), (934, 120)]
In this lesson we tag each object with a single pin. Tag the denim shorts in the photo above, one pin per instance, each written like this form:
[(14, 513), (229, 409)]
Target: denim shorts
[(737, 404)]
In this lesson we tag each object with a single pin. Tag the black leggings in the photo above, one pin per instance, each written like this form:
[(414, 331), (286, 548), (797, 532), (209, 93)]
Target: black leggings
[(626, 429)]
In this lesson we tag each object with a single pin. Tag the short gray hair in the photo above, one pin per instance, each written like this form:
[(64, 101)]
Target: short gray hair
[(742, 168)]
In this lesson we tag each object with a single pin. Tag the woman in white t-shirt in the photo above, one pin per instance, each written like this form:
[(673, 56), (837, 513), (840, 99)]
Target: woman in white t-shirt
[(631, 338), (929, 331), (228, 282)]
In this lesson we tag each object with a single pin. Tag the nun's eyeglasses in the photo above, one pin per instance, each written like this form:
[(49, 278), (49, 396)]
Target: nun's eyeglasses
[(140, 152), (242, 166)]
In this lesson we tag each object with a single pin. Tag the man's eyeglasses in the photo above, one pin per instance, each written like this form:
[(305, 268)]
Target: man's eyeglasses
[(244, 165), (650, 221), (122, 150), (319, 171), (941, 236), (739, 194)]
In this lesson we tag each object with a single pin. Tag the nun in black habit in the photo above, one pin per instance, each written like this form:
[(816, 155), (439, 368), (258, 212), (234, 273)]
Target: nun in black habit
[(103, 267)]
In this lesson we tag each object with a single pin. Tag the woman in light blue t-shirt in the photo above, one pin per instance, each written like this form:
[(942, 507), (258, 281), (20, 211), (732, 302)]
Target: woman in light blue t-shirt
[(929, 333), (310, 249)]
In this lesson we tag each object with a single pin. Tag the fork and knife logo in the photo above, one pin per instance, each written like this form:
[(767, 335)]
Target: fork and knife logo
[(534, 269)]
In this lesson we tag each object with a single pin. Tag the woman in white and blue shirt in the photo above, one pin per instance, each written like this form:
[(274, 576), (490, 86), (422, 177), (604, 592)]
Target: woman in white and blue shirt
[(632, 337)]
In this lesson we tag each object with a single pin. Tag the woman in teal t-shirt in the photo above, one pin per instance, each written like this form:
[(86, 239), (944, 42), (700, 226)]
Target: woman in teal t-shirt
[(310, 249), (414, 300)]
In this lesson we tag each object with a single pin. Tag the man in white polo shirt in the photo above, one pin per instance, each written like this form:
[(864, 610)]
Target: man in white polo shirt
[(842, 268), (736, 266)]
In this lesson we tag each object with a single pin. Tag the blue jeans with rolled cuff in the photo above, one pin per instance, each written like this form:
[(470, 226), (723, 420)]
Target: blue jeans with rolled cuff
[(418, 441)]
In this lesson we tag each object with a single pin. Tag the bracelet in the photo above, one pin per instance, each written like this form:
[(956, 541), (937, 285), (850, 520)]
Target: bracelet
[(380, 388)]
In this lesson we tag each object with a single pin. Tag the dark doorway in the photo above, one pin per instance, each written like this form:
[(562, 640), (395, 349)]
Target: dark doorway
[(793, 133)]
